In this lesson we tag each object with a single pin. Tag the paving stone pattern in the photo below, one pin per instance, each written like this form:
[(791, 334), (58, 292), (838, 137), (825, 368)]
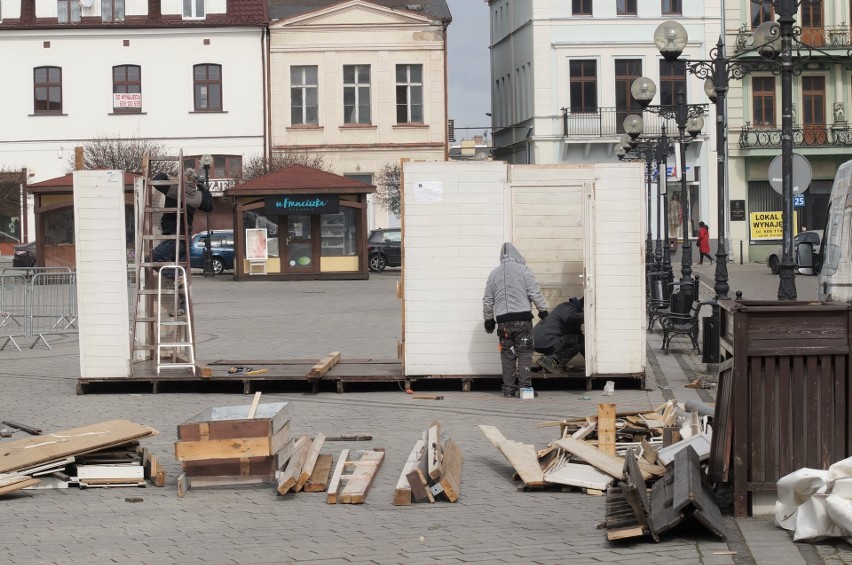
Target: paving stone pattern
[(491, 523)]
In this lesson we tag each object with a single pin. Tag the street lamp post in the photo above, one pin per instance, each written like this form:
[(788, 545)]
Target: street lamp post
[(207, 256), (688, 118)]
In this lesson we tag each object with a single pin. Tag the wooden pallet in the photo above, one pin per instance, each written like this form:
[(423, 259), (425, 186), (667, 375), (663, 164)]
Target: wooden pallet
[(353, 475)]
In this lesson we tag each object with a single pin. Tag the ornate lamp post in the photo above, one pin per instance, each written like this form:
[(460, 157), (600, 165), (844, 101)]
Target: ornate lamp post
[(207, 258), (688, 118)]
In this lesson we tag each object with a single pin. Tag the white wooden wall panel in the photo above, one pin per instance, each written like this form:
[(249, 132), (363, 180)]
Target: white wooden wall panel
[(102, 291), (452, 245)]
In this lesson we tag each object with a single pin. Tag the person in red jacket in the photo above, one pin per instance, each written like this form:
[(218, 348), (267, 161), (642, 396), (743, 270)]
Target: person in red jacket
[(703, 243)]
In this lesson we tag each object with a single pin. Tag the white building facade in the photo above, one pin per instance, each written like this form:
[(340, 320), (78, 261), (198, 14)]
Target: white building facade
[(362, 83), (561, 77)]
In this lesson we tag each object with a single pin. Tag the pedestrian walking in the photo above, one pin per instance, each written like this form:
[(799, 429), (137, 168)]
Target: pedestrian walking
[(509, 293), (703, 243)]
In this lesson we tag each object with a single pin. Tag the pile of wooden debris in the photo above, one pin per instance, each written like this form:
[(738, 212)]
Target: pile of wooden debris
[(622, 453), (105, 454), (433, 470)]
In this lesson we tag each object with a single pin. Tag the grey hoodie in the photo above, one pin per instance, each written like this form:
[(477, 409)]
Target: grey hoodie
[(511, 288)]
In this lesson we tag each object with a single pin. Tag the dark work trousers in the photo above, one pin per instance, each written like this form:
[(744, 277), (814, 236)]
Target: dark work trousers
[(516, 348), (563, 349)]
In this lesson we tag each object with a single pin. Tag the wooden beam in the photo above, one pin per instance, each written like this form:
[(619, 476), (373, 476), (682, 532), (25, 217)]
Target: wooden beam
[(288, 478), (253, 409), (612, 465), (402, 492), (310, 461), (419, 486), (366, 468), (318, 481), (451, 470), (324, 365), (434, 450), (334, 485), (606, 428)]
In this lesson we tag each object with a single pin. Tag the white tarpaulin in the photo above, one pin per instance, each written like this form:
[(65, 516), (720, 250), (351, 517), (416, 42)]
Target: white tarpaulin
[(816, 504)]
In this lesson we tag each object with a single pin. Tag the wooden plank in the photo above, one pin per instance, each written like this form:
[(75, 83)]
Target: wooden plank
[(624, 533), (261, 446), (579, 475), (434, 450), (649, 452), (151, 465), (366, 468), (402, 492), (33, 431), (121, 472), (612, 465), (700, 443), (334, 484), (182, 485), (590, 426), (29, 452), (12, 482), (451, 470), (606, 428), (310, 461), (324, 366), (232, 481), (224, 422), (318, 480), (523, 458), (253, 409), (420, 491), (292, 472)]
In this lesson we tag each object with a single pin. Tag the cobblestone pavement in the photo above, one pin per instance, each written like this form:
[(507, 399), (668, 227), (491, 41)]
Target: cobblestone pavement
[(491, 523)]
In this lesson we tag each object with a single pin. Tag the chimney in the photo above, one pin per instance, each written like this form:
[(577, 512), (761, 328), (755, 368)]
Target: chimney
[(28, 13)]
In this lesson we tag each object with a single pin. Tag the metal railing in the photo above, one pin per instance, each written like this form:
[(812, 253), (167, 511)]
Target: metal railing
[(36, 302), (816, 135), (608, 122), (825, 37)]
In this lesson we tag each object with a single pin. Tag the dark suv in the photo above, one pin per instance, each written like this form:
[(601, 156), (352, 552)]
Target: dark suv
[(384, 249), (221, 245)]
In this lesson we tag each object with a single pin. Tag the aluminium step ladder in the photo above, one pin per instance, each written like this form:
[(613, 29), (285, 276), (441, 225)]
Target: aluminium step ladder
[(162, 331)]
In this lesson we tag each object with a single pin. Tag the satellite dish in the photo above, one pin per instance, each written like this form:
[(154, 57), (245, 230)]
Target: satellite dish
[(87, 3)]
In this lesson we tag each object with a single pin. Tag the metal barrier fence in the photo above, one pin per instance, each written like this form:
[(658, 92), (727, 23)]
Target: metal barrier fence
[(35, 303), (13, 309)]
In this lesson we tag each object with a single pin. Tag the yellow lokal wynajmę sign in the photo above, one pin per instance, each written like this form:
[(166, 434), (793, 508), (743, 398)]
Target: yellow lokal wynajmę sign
[(767, 226)]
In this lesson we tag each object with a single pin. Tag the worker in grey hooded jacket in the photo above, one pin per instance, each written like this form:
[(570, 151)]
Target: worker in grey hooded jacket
[(510, 289)]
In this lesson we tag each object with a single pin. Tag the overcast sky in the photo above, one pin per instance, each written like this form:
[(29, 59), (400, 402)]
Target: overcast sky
[(469, 67)]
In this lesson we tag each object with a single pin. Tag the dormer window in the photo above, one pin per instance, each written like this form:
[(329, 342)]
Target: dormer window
[(194, 10)]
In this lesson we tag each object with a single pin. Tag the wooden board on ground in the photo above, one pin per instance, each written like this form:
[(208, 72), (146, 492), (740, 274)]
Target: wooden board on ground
[(361, 478), (324, 366), (318, 480), (153, 471), (451, 470), (522, 457), (293, 471), (612, 465), (310, 461), (579, 475), (29, 452), (12, 482), (420, 490), (402, 493), (434, 450), (336, 477)]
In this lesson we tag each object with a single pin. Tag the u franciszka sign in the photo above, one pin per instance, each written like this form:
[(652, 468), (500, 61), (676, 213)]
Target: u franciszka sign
[(301, 204)]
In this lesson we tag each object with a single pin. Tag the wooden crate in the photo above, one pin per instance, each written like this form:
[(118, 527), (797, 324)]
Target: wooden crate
[(226, 433)]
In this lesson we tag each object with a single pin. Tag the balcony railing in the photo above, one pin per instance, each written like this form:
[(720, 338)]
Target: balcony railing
[(823, 37), (608, 122), (816, 135)]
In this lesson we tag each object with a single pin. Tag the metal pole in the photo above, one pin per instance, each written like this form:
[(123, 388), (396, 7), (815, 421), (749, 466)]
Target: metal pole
[(667, 261), (720, 83), (787, 279), (686, 259), (658, 250), (649, 246), (207, 260)]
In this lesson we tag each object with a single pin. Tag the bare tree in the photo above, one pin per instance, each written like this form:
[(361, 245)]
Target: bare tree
[(118, 153), (387, 188), (260, 165)]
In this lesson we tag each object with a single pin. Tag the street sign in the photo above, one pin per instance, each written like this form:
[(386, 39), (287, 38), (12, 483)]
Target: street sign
[(801, 174), (798, 200)]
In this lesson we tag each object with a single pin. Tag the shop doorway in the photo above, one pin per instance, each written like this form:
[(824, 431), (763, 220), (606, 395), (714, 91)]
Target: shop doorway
[(298, 253)]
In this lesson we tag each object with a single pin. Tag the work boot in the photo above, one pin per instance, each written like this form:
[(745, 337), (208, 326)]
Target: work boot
[(549, 364)]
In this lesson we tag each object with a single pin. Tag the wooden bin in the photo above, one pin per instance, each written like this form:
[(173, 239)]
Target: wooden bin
[(225, 437), (784, 395)]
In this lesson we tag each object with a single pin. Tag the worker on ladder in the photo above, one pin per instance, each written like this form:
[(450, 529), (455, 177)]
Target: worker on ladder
[(196, 196)]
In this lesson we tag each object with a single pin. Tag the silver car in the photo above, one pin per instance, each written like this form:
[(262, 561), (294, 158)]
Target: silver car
[(773, 260)]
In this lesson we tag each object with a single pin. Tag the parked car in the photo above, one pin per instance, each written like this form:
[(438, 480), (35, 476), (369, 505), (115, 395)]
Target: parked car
[(25, 255), (773, 260), (221, 245), (384, 249)]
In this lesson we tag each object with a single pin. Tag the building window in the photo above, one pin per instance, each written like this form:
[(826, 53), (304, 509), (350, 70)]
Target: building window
[(625, 7), (304, 93), (112, 10), (761, 13), (48, 90), (127, 89), (68, 11), (672, 81), (193, 9), (626, 71), (224, 166), (812, 25), (584, 86), (207, 82), (581, 7), (763, 101), (356, 94), (409, 94), (671, 8)]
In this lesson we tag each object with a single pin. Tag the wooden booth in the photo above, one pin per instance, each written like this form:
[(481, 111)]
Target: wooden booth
[(54, 219), (300, 223)]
